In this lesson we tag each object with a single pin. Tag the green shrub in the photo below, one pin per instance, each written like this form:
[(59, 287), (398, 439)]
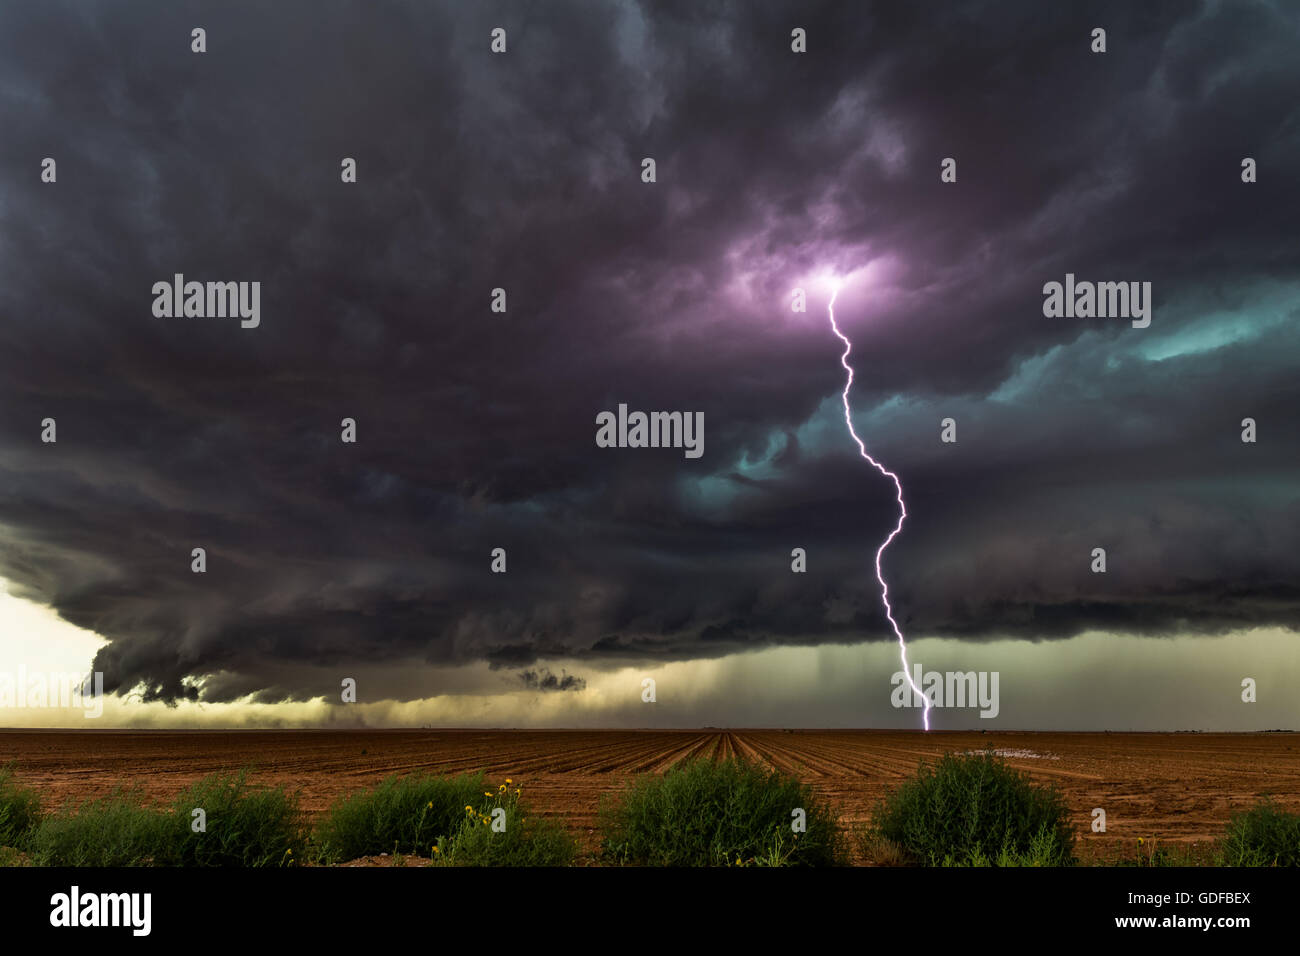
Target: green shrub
[(20, 810), (118, 830), (1262, 836), (727, 813), (244, 826), (401, 815), (527, 840), (976, 811), (1150, 852)]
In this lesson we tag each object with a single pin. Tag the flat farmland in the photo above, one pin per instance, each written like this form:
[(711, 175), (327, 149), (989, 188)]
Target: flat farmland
[(1176, 788)]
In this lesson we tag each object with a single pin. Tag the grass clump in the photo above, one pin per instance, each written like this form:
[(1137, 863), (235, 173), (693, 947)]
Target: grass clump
[(9, 857), (404, 814), (243, 825), (498, 830), (1262, 836), (117, 830), (975, 810), (1150, 852), (20, 810), (726, 813)]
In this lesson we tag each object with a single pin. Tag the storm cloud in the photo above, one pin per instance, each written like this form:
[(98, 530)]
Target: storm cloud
[(475, 429)]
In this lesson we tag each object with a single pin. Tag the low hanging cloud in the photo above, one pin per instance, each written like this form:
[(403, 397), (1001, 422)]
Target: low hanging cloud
[(543, 679)]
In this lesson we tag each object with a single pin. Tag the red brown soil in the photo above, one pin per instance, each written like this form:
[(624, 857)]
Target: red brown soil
[(1174, 788)]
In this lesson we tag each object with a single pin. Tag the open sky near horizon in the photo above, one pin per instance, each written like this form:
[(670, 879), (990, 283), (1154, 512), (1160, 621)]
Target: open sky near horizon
[(774, 170)]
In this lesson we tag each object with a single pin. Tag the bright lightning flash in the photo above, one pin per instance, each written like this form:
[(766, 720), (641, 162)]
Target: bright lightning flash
[(902, 508)]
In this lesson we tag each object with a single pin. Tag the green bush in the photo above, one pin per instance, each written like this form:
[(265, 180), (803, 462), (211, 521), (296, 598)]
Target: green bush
[(727, 813), (1262, 836), (244, 826), (20, 810), (118, 830), (527, 840), (401, 815), (976, 811)]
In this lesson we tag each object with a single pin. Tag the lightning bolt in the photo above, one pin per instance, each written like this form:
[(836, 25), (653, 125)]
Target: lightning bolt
[(902, 508)]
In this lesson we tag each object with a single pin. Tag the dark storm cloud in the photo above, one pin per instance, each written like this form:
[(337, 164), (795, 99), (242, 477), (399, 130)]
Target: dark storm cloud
[(476, 430)]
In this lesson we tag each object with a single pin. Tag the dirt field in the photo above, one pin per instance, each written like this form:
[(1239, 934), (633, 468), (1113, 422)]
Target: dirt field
[(1173, 787)]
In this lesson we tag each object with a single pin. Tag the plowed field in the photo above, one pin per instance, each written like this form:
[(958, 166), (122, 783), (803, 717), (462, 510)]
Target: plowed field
[(1172, 787)]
